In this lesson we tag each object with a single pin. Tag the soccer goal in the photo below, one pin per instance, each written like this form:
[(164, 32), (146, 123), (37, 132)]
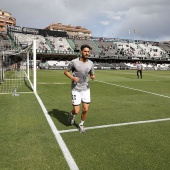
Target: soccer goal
[(17, 71)]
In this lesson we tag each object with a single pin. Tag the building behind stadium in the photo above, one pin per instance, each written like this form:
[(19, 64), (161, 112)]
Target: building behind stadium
[(72, 31), (6, 18)]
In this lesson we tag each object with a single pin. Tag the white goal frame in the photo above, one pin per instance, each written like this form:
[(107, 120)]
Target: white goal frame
[(8, 83), (34, 84)]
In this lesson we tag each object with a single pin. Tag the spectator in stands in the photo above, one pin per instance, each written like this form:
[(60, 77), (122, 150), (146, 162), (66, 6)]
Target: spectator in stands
[(139, 68), (80, 68)]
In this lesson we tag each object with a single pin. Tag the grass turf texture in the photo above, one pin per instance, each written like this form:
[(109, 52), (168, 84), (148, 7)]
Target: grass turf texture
[(26, 139), (28, 143)]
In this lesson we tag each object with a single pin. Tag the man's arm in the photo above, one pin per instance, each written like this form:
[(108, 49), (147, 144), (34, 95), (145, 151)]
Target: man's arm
[(67, 73), (92, 75)]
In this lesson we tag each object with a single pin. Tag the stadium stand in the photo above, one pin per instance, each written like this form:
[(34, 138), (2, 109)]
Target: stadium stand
[(41, 44), (59, 44), (4, 43), (166, 47), (60, 47), (106, 48)]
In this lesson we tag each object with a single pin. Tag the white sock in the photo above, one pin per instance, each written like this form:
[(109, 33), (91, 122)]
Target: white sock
[(81, 123)]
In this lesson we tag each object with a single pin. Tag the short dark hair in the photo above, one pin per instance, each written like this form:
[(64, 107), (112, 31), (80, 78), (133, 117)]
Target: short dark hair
[(85, 46)]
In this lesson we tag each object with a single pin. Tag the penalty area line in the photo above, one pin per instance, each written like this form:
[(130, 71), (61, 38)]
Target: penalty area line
[(116, 125), (133, 89)]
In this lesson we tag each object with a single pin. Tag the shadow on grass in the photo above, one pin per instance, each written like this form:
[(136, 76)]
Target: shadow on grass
[(131, 77), (26, 83), (61, 116)]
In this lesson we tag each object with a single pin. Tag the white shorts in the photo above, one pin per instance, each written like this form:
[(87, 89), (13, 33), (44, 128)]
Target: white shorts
[(82, 96)]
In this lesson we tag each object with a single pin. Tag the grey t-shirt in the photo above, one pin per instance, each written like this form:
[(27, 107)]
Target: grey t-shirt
[(139, 66), (81, 69)]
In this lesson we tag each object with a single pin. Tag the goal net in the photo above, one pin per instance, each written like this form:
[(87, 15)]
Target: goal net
[(17, 72)]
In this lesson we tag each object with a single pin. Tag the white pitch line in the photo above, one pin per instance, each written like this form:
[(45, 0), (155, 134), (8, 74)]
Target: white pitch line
[(67, 155), (119, 124), (26, 92), (133, 89), (17, 92), (51, 83)]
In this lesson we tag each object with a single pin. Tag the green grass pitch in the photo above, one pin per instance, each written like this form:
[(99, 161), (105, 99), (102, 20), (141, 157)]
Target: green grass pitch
[(118, 97)]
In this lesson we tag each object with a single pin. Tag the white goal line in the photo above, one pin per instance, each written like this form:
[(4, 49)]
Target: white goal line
[(118, 124)]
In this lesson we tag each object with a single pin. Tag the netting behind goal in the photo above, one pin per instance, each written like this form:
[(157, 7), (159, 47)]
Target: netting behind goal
[(16, 73)]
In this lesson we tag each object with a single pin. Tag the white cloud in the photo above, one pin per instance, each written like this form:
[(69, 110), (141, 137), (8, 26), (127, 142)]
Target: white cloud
[(105, 22), (103, 18)]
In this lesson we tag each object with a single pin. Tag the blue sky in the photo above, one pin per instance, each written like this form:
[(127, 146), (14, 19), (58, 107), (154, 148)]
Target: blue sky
[(134, 19)]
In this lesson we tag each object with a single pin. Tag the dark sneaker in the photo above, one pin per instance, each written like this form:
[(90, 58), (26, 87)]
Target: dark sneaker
[(81, 128), (71, 118)]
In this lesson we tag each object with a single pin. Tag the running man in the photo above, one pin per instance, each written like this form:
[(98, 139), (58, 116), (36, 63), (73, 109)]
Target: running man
[(81, 67)]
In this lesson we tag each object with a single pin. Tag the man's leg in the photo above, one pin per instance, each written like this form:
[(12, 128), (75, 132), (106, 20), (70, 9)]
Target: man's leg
[(72, 114), (83, 117), (84, 111), (138, 73), (76, 101), (76, 109)]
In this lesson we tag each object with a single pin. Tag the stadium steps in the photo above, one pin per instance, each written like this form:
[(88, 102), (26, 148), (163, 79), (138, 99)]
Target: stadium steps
[(14, 42), (10, 40), (97, 48), (48, 43), (72, 45)]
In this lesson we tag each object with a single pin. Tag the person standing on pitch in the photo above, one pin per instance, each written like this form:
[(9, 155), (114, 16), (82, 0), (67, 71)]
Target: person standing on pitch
[(139, 68), (81, 67)]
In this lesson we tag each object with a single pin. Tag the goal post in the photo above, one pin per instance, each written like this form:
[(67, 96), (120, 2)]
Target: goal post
[(34, 83), (34, 66)]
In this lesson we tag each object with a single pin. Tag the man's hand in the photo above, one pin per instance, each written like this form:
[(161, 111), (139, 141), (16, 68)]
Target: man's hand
[(92, 76), (75, 79)]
